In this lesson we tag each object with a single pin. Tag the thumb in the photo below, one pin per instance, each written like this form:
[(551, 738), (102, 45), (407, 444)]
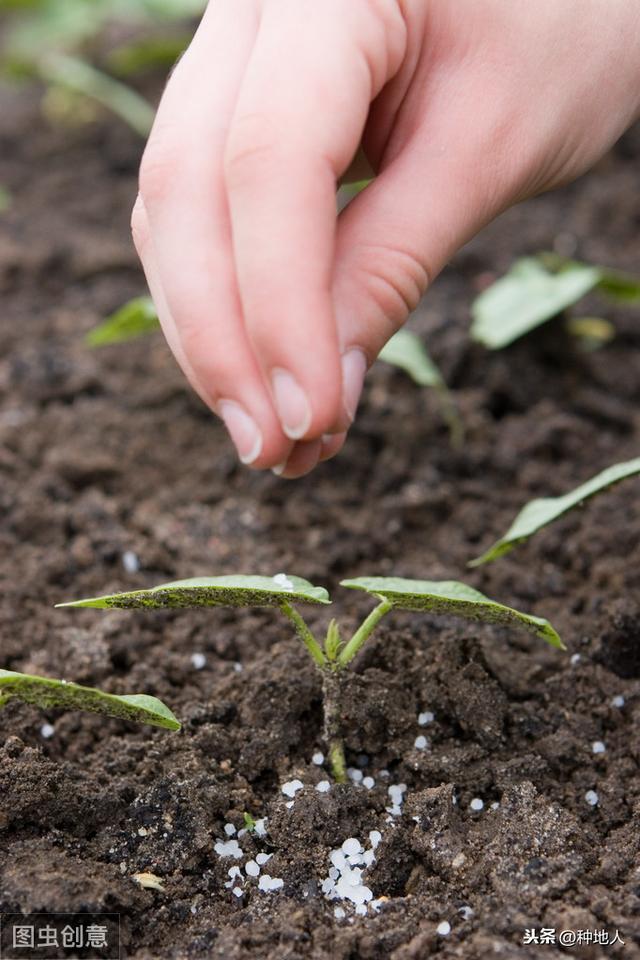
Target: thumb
[(397, 235)]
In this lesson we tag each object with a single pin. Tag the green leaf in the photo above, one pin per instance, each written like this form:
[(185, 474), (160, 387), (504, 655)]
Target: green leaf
[(525, 297), (450, 598), (539, 513), (135, 319), (228, 591), (46, 693), (406, 351)]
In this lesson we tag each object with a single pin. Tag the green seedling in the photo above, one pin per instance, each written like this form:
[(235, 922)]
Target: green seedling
[(47, 693), (538, 288), (134, 319), (540, 513), (333, 654), (406, 351)]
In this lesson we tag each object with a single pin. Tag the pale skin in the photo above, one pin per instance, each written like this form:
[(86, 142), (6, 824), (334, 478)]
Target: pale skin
[(272, 304)]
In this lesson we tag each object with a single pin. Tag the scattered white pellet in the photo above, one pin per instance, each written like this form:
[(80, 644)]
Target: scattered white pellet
[(617, 701), (262, 858), (339, 913), (229, 829), (351, 846), (193, 908), (323, 787), (598, 747), (575, 659), (291, 787), (228, 848), (267, 883), (47, 731), (361, 909), (237, 891), (237, 666), (251, 868), (376, 905), (354, 774), (477, 804), (374, 838), (384, 774), (592, 798), (235, 873), (425, 718), (368, 857), (260, 827), (198, 660), (318, 758), (283, 581), (444, 928), (465, 912), (368, 782), (130, 561), (289, 804), (396, 791), (421, 743), (495, 805)]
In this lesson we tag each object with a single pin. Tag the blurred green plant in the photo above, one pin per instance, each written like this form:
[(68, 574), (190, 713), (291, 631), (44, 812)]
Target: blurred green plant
[(535, 289), (56, 41)]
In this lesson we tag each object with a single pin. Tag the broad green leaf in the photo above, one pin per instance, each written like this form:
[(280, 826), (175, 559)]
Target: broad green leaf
[(450, 598), (46, 693), (525, 297), (135, 319), (406, 351), (227, 591), (539, 513)]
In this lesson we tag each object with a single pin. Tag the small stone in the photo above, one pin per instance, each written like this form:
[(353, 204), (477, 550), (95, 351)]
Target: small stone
[(495, 805), (142, 832), (575, 659), (592, 798), (339, 913), (291, 787), (598, 746), (458, 861), (425, 718), (198, 660), (323, 787), (421, 743), (318, 758), (444, 928), (238, 667), (465, 912), (47, 731), (617, 701), (289, 804), (148, 880)]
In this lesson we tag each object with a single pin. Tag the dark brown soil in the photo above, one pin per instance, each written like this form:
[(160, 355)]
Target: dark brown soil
[(106, 452)]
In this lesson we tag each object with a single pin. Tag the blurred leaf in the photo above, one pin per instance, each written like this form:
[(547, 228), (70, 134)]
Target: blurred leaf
[(228, 591), (450, 598), (593, 332), (406, 351), (46, 693), (135, 319), (539, 513), (149, 53), (527, 296)]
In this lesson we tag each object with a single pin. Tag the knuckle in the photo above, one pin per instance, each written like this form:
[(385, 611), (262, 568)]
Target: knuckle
[(394, 280), (139, 228), (250, 145), (158, 167)]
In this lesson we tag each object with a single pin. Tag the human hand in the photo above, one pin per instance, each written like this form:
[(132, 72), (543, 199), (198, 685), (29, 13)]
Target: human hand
[(273, 306)]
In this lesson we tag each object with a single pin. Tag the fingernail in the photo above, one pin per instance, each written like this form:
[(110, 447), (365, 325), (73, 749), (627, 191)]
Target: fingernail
[(243, 430), (279, 468), (291, 403), (354, 367)]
